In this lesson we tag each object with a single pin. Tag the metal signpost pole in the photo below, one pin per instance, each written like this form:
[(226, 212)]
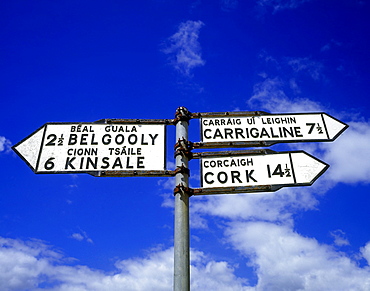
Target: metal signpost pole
[(181, 236)]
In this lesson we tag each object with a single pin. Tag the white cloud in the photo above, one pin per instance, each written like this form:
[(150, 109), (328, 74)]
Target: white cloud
[(5, 144), (184, 49), (365, 252), (270, 95), (277, 207), (339, 238), (285, 260), (81, 235), (311, 67), (346, 154), (22, 263), (30, 265), (77, 236)]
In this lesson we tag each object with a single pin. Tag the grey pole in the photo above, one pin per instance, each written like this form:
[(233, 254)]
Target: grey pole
[(181, 236)]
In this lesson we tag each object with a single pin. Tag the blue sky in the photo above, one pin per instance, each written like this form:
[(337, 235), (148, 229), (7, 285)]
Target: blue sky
[(81, 61)]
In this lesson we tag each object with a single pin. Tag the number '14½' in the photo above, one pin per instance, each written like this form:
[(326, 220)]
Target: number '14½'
[(278, 171)]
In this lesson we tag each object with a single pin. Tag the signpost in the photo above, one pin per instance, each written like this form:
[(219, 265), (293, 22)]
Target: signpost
[(236, 129), (137, 147), (94, 147)]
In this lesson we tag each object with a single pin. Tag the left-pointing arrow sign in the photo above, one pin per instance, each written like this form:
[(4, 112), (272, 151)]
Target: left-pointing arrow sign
[(94, 147)]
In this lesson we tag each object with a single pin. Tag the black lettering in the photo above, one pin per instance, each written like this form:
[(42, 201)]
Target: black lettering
[(140, 163), (249, 175), (128, 163), (218, 133), (278, 171), (49, 164), (239, 131), (93, 142), (235, 176), (52, 138), (132, 139), (297, 131), (153, 138), (223, 179), (264, 133), (206, 178), (81, 162), (94, 164), (117, 163), (72, 139), (312, 126), (205, 133), (228, 132), (289, 131), (106, 139), (105, 162), (142, 140), (254, 132), (83, 139), (120, 138), (272, 133), (69, 163)]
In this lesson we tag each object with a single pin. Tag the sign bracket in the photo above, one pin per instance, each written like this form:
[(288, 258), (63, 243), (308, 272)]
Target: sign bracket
[(235, 144), (233, 153), (228, 114), (235, 190), (166, 173)]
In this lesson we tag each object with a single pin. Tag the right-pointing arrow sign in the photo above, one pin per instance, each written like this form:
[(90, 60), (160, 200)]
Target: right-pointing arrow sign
[(270, 128), (285, 169)]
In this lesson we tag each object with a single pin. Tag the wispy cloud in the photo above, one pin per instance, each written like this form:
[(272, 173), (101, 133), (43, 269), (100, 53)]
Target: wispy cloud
[(279, 5), (339, 238), (271, 95), (5, 144), (313, 68), (81, 236), (228, 5), (330, 45), (183, 48)]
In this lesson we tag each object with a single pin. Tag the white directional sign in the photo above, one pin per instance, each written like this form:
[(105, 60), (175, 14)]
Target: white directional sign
[(284, 169), (272, 128), (92, 147)]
